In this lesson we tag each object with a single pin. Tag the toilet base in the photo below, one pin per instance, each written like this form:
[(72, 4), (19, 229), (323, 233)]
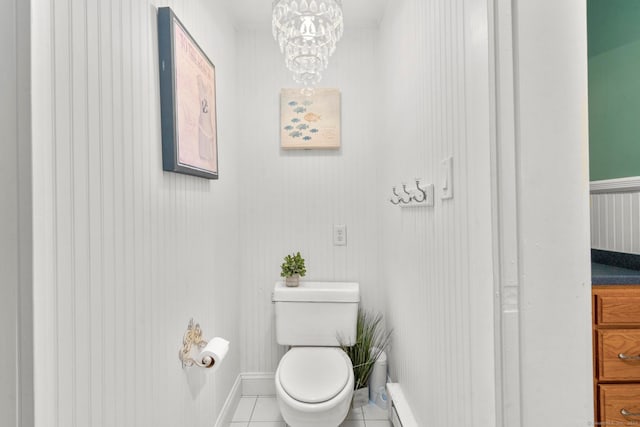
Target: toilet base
[(325, 414), (333, 418)]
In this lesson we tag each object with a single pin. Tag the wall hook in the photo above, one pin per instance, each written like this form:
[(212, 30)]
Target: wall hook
[(421, 190), (404, 188), (422, 195), (397, 201)]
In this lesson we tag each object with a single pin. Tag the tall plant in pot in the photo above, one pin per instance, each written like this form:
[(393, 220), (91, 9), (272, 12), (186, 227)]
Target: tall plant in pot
[(371, 341), (293, 269)]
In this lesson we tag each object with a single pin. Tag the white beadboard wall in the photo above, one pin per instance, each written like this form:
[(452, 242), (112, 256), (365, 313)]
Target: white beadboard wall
[(615, 222), (125, 254), (16, 361), (436, 262), (290, 200)]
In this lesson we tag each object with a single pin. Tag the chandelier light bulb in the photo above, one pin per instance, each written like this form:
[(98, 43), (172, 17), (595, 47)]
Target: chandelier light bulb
[(307, 33)]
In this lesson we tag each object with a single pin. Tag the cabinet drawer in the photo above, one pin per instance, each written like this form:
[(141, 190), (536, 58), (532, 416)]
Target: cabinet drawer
[(619, 355), (615, 399), (618, 307)]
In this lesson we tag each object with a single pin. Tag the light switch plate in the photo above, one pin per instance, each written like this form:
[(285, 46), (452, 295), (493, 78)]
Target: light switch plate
[(446, 178)]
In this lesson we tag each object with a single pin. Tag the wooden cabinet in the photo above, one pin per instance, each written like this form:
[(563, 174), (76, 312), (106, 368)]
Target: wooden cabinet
[(615, 403), (616, 352)]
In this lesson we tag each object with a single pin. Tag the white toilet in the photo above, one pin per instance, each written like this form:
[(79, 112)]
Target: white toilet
[(314, 379)]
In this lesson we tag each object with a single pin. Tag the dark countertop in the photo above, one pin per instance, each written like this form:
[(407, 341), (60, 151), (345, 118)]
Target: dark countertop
[(614, 268), (603, 274)]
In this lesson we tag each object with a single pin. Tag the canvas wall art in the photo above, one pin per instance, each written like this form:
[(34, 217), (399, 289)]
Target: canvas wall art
[(310, 121), (188, 101)]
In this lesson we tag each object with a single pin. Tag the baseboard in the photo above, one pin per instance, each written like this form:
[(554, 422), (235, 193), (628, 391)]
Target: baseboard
[(401, 415), (258, 384), (230, 404), (246, 384)]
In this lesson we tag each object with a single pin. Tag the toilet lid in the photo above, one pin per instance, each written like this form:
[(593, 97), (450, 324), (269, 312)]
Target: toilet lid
[(314, 374)]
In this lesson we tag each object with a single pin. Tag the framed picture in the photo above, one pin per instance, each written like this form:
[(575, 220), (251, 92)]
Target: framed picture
[(187, 101), (310, 121)]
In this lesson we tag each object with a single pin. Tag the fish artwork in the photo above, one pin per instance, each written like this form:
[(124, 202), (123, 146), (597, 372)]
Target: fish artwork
[(310, 122), (312, 117)]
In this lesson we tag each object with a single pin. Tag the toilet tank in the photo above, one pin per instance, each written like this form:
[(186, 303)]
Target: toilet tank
[(316, 313)]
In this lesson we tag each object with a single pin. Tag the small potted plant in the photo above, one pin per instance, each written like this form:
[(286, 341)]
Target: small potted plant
[(371, 341), (293, 269)]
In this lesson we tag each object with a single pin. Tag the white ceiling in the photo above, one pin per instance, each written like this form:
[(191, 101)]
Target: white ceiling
[(258, 12)]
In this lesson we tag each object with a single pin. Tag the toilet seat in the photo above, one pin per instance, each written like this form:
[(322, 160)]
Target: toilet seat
[(314, 374)]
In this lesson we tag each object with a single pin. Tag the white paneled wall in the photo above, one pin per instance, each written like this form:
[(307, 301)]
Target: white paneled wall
[(291, 199), (125, 254), (16, 361), (615, 222), (435, 262)]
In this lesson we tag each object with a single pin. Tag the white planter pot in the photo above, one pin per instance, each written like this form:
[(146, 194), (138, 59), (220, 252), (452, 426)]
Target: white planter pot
[(292, 281), (360, 397)]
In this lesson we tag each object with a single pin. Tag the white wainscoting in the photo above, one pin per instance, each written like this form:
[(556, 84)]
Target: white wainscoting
[(125, 254), (615, 221)]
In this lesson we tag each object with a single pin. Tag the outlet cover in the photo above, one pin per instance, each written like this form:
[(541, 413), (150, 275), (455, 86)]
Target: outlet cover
[(339, 235)]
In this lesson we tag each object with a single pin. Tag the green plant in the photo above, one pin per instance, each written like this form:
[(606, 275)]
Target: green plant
[(371, 341), (293, 264)]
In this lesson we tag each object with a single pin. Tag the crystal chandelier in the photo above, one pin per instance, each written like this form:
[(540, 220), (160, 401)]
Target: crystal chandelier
[(307, 32)]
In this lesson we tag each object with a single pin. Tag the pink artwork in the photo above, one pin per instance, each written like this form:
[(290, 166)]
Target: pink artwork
[(187, 101), (195, 104)]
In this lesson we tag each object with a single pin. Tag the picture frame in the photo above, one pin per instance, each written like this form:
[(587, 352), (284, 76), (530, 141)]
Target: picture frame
[(310, 121), (187, 101)]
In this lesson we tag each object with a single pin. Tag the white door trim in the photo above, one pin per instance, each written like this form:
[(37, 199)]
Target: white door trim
[(505, 215)]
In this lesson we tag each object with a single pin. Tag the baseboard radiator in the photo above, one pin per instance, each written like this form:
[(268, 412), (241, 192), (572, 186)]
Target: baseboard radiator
[(400, 412)]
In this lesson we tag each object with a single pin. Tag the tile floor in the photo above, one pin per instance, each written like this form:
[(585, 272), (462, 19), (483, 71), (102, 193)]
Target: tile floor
[(262, 411)]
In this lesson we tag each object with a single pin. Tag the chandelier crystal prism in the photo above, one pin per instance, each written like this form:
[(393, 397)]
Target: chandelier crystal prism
[(307, 32)]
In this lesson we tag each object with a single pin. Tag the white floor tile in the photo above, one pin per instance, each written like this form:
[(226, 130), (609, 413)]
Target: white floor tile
[(378, 423), (244, 410), (355, 414), (263, 411), (267, 424), (373, 412), (266, 409)]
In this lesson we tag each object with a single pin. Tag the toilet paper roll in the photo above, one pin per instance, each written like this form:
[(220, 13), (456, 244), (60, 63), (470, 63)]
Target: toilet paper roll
[(214, 353)]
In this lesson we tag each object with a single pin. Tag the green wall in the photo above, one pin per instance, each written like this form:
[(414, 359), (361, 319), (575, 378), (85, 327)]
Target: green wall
[(614, 88)]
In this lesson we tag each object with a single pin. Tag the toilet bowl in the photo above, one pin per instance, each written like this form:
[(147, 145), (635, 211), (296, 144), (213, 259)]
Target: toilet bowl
[(314, 380), (314, 386)]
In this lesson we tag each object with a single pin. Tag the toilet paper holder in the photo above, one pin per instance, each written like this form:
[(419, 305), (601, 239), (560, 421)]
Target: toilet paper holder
[(193, 337)]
